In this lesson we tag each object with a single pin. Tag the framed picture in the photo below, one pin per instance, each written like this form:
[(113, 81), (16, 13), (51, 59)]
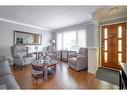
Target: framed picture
[(26, 38)]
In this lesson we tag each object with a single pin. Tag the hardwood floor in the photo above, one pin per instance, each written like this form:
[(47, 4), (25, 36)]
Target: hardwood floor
[(64, 78)]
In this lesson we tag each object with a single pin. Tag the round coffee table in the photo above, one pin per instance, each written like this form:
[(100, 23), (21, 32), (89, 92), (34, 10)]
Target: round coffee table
[(39, 64)]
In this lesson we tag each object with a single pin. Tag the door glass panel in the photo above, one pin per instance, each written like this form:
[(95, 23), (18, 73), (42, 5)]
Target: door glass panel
[(105, 33), (119, 45), (119, 57), (105, 57), (119, 32), (106, 45)]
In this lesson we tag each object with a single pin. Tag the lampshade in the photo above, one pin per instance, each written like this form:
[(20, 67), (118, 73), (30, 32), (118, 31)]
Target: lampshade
[(53, 41)]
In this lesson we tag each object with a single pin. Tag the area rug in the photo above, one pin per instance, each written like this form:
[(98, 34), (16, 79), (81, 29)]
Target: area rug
[(108, 75)]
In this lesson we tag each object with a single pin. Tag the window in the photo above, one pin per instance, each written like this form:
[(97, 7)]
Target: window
[(105, 57), (82, 41), (120, 44), (119, 32), (59, 41), (106, 45), (71, 40), (106, 33)]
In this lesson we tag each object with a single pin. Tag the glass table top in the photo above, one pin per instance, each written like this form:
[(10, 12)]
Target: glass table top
[(42, 61)]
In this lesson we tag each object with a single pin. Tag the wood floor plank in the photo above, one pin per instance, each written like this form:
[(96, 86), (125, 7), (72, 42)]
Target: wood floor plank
[(63, 78)]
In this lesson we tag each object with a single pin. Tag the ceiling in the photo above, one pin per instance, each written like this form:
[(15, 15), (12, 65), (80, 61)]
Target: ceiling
[(48, 17), (111, 12)]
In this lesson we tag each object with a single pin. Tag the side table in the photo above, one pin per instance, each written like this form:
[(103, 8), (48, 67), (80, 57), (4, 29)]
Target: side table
[(38, 54)]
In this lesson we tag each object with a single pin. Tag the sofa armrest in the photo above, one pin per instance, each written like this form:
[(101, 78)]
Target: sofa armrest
[(81, 62), (81, 59)]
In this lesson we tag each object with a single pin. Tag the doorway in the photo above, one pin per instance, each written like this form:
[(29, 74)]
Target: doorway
[(113, 45)]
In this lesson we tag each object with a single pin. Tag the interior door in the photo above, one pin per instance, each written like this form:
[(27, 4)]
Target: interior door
[(113, 45)]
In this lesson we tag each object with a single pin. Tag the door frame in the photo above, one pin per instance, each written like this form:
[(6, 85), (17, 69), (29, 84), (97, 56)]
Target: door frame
[(100, 33)]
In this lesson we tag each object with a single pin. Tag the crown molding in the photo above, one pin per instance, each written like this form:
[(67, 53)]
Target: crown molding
[(115, 18), (23, 24), (77, 26)]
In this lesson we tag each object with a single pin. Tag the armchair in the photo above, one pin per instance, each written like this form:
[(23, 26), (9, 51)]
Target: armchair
[(51, 52), (21, 56), (79, 62)]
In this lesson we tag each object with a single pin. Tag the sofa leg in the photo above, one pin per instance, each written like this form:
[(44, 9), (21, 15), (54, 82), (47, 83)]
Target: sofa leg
[(17, 67), (13, 67)]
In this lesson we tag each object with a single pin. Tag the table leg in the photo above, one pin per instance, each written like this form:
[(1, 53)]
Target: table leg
[(55, 67), (46, 74)]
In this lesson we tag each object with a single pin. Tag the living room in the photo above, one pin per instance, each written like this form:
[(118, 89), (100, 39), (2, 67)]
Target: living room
[(73, 39)]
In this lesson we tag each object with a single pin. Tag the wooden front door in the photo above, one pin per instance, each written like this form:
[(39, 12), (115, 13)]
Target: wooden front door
[(113, 45)]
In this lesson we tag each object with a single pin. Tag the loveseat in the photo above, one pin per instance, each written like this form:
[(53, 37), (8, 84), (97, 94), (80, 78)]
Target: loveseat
[(7, 79)]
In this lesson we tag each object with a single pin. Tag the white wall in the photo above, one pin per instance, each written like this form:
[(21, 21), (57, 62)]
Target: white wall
[(7, 36), (92, 64), (90, 36)]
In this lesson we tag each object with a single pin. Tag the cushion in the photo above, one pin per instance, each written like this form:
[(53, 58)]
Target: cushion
[(10, 81), (20, 48), (79, 55), (3, 86), (29, 59), (22, 53), (74, 59), (52, 54), (5, 68), (5, 62)]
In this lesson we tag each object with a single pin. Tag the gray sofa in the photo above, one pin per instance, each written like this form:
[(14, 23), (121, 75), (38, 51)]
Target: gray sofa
[(21, 56), (7, 80), (79, 62)]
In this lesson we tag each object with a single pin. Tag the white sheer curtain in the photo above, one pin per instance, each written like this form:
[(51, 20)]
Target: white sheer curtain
[(72, 40), (82, 38), (69, 40), (59, 41)]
